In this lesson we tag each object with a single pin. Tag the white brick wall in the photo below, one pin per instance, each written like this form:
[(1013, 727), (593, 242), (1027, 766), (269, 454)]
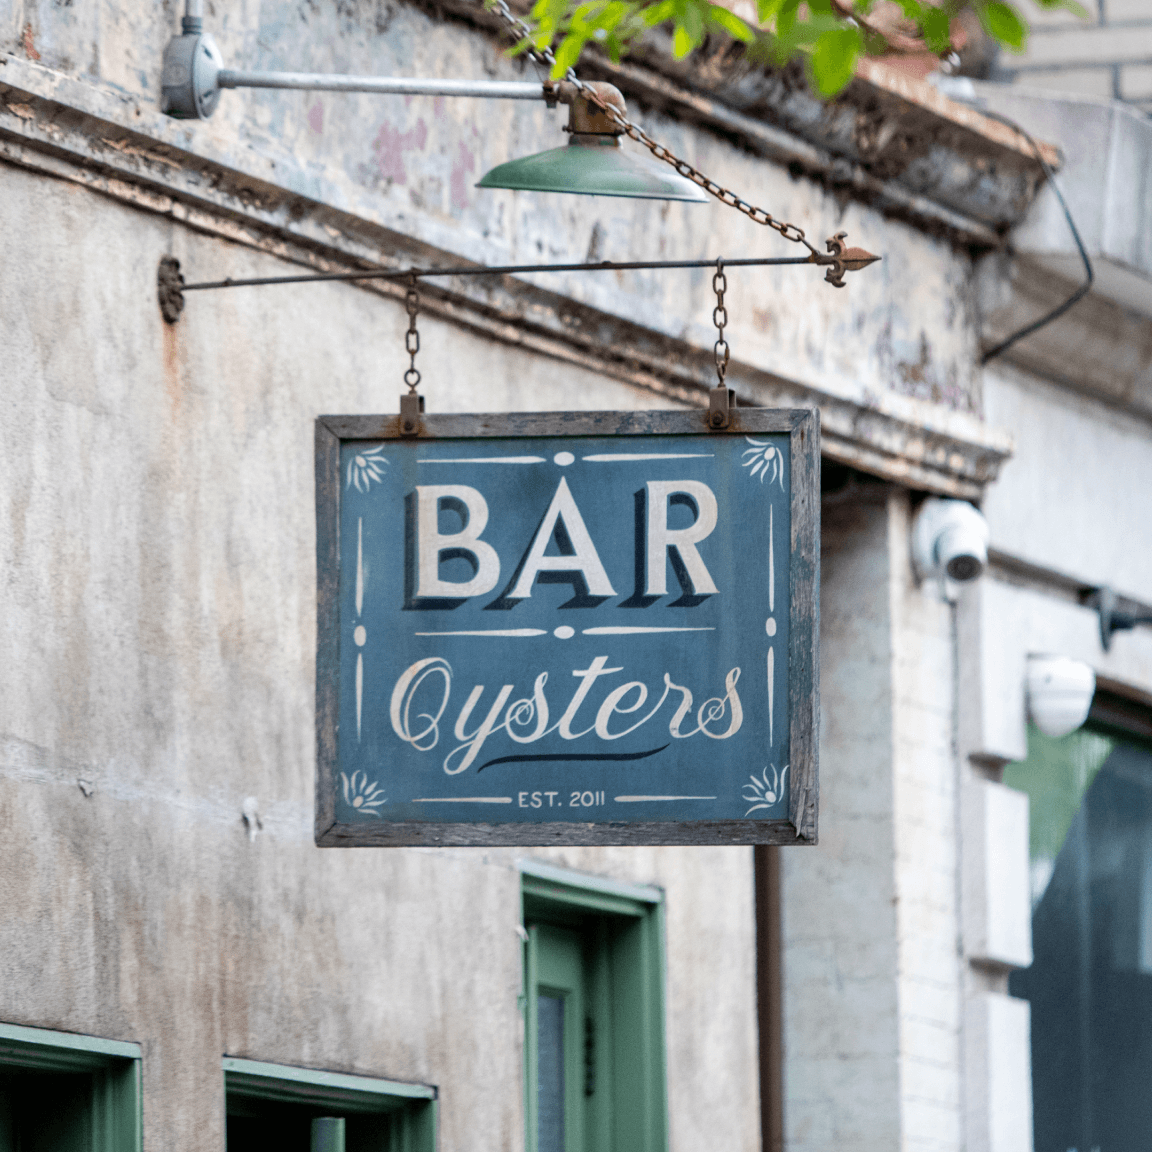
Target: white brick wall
[(924, 803), (872, 994), (841, 1037)]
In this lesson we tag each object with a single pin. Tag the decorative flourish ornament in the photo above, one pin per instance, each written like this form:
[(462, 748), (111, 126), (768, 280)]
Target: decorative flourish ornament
[(365, 467), (765, 792), (362, 795), (765, 459)]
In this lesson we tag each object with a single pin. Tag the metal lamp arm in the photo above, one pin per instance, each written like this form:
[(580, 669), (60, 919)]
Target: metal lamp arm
[(194, 76), (389, 85)]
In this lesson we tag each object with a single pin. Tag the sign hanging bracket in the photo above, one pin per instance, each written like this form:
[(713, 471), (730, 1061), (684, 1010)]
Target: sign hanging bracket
[(721, 400), (411, 402)]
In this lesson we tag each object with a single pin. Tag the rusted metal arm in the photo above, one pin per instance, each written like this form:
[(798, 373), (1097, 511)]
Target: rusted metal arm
[(831, 262)]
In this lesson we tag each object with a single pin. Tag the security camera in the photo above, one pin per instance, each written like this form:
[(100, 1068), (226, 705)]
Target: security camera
[(949, 539), (1060, 692)]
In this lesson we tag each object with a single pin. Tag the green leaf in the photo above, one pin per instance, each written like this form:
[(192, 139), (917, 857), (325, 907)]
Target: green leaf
[(731, 23), (937, 30), (658, 13), (1003, 22), (833, 59), (805, 32), (613, 13), (1069, 5), (766, 9), (692, 17), (786, 17), (567, 54), (912, 9)]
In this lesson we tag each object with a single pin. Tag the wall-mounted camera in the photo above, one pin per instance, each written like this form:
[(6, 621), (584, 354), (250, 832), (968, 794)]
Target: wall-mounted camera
[(1060, 692), (949, 541)]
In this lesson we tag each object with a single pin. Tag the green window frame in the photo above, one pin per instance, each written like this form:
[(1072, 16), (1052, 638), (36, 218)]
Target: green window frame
[(597, 947), (380, 1115), (62, 1092)]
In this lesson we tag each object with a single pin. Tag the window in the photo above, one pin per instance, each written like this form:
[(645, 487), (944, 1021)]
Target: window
[(594, 1014), (1090, 983), (65, 1093), (301, 1110)]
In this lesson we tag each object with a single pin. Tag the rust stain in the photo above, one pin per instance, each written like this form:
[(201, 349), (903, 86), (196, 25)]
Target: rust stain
[(172, 364), (28, 43), (926, 380)]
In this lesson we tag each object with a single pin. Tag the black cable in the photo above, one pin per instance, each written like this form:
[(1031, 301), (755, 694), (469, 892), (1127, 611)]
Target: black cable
[(1088, 273)]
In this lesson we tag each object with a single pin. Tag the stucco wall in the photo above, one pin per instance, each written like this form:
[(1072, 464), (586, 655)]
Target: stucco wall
[(158, 598)]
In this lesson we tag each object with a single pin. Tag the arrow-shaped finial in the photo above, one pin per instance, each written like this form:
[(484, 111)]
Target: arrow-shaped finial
[(846, 260)]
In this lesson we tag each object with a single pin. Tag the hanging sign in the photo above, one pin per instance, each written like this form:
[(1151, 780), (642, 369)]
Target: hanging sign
[(570, 628)]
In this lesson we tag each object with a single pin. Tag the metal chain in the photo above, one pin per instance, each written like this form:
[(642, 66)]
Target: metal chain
[(544, 56), (412, 337), (720, 317)]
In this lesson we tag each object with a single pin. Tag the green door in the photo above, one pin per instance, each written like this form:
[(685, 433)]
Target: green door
[(560, 1025)]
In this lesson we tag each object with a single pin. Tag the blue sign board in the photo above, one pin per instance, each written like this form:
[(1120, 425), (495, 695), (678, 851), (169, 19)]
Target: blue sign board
[(557, 635)]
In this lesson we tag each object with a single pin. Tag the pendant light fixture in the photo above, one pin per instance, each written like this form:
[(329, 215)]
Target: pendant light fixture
[(593, 163)]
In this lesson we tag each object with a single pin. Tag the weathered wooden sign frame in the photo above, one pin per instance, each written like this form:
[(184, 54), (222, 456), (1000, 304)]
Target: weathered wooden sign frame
[(801, 426)]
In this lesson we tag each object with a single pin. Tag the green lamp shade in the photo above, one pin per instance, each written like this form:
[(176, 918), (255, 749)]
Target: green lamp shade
[(593, 166)]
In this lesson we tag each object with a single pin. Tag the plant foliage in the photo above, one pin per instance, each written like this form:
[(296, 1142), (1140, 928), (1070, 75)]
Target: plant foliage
[(829, 34)]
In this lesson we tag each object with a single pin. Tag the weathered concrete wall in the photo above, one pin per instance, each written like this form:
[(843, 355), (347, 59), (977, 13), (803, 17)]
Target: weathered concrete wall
[(158, 599), (410, 164)]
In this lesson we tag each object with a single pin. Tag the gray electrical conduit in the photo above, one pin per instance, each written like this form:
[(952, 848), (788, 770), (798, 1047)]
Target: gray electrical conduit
[(1089, 275)]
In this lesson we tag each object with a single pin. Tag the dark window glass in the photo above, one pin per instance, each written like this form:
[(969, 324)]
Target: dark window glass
[(46, 1112), (1090, 984), (551, 1075)]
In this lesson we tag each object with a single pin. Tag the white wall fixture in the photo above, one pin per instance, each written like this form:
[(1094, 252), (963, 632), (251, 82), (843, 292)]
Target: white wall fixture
[(1060, 692), (949, 541)]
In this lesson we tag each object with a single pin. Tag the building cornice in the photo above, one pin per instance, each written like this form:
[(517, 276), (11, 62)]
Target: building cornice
[(890, 140), (65, 128)]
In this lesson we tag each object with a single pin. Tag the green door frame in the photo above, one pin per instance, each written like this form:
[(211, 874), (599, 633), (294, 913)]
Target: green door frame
[(621, 929)]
